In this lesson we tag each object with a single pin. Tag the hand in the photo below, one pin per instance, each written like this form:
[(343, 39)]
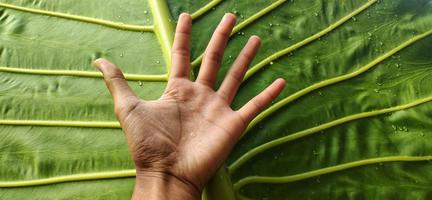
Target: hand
[(179, 141)]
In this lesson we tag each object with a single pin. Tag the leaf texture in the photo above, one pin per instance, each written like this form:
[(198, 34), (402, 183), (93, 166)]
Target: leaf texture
[(352, 123)]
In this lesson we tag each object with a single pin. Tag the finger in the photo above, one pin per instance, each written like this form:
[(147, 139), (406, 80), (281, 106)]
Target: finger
[(235, 75), (116, 83), (181, 48), (260, 102), (214, 52)]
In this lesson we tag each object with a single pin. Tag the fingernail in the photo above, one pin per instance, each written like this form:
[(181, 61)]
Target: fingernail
[(230, 14), (225, 16), (255, 37), (184, 14), (282, 80), (99, 61)]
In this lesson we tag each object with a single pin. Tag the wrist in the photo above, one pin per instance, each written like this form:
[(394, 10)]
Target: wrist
[(160, 185)]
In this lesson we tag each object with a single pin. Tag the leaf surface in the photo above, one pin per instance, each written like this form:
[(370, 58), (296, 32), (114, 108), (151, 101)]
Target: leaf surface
[(353, 122)]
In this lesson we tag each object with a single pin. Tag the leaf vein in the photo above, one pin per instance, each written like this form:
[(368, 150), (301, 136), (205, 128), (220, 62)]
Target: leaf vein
[(95, 74), (205, 9), (306, 41), (327, 170), (297, 135), (334, 80), (70, 178), (243, 24), (117, 25)]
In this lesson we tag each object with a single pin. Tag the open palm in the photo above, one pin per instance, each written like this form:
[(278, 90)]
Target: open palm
[(190, 130)]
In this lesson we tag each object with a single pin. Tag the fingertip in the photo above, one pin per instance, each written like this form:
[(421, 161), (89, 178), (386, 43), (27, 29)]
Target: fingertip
[(255, 39), (278, 85), (105, 66), (185, 16), (281, 81), (230, 17), (100, 63)]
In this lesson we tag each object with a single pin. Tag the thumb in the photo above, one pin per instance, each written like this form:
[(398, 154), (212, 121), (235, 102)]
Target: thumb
[(117, 85)]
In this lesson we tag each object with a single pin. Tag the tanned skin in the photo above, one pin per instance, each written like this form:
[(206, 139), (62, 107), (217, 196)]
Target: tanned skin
[(180, 140)]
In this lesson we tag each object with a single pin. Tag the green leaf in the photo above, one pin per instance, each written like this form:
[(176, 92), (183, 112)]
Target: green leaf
[(352, 123)]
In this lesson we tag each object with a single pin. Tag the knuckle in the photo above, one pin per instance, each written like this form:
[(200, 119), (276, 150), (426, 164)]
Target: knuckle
[(236, 76), (111, 82), (214, 56), (126, 107), (113, 71), (182, 51), (257, 104), (113, 74), (225, 95), (268, 96), (114, 77), (247, 56), (223, 33), (183, 32), (206, 81)]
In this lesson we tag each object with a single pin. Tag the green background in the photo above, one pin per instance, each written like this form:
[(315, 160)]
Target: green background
[(34, 41)]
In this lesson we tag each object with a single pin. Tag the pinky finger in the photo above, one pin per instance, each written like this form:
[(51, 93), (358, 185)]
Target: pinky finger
[(260, 102)]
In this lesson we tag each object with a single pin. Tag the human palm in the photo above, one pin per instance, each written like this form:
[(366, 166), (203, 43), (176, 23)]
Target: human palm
[(188, 133)]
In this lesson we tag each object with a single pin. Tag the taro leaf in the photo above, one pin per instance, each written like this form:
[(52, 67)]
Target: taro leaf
[(353, 122)]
